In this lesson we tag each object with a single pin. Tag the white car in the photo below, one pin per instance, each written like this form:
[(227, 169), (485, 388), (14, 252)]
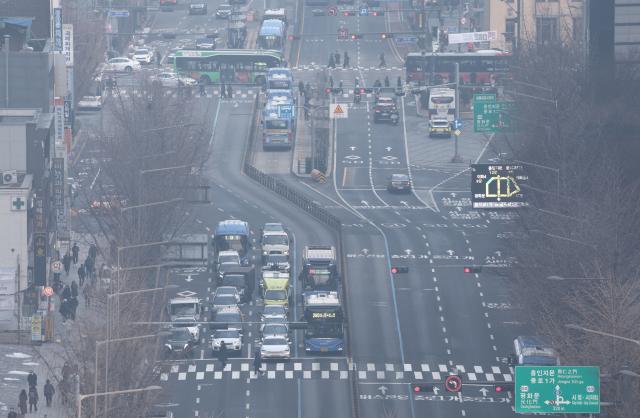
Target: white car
[(90, 103), (122, 64), (275, 347), (274, 313), (143, 55), (168, 79), (273, 329), (231, 337)]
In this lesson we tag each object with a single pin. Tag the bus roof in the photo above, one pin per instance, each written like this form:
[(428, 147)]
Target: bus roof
[(274, 23), (279, 73), (321, 299), (228, 52), (232, 227), (270, 31)]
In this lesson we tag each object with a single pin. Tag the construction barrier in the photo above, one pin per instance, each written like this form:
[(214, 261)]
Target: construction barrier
[(318, 176)]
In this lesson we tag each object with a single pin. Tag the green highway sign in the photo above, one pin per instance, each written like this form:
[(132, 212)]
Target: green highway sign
[(557, 389), (489, 115)]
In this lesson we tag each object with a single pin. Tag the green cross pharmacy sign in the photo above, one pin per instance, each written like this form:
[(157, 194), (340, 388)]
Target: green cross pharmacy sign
[(557, 389), (489, 115)]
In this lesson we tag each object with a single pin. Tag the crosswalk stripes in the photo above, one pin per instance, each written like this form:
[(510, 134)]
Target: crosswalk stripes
[(237, 94), (332, 369)]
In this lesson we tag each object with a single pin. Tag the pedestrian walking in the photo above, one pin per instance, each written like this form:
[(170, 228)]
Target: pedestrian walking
[(345, 60), (86, 294), (387, 83), (49, 391), (33, 399), (93, 251), (332, 61), (229, 92), (301, 88), (66, 292), (202, 88), (73, 305), (158, 58), (66, 262), (32, 379), (383, 62), (399, 82), (223, 90), (331, 81), (101, 273), (74, 289), (64, 309), (22, 402), (82, 274), (75, 251), (336, 56), (223, 354), (89, 264), (12, 413), (257, 362)]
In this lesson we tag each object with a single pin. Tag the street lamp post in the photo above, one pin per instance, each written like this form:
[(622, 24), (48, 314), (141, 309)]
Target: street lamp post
[(560, 278), (606, 334)]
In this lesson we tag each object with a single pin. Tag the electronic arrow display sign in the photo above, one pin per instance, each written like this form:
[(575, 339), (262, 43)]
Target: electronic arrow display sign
[(495, 186)]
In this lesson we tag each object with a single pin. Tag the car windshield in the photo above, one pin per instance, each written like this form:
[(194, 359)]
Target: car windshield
[(178, 334), (228, 317), (234, 280), (226, 290), (224, 7), (275, 341), (276, 258), (229, 259), (224, 300), (274, 329), (275, 294), (204, 41), (179, 309), (274, 310), (141, 51), (275, 240), (226, 333), (400, 177), (273, 227)]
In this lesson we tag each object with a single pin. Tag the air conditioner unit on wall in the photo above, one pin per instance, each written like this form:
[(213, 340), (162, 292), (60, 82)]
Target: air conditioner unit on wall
[(10, 177)]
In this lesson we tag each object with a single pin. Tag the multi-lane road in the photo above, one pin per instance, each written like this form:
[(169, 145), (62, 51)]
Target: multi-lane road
[(416, 327)]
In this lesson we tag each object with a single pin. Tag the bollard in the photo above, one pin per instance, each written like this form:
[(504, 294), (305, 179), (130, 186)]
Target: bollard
[(318, 176)]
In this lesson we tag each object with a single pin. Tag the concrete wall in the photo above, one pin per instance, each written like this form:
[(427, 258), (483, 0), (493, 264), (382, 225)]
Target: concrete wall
[(627, 31), (13, 147), (30, 80)]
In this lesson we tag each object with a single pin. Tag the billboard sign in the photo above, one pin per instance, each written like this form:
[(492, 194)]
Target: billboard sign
[(557, 389), (57, 29), (67, 43), (495, 186), (466, 37), (40, 259)]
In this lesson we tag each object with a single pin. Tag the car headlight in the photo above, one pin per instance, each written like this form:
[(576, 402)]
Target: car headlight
[(285, 252), (264, 253), (216, 343)]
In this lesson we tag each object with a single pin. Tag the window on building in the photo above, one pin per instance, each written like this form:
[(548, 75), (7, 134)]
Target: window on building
[(546, 30), (578, 28), (510, 30)]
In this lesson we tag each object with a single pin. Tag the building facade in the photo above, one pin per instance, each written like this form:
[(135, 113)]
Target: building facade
[(541, 22)]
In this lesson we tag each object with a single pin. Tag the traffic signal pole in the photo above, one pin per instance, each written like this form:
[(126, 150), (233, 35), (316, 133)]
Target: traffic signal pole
[(456, 157)]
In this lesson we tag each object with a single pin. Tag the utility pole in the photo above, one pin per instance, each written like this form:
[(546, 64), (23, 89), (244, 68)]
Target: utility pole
[(456, 156), (7, 48)]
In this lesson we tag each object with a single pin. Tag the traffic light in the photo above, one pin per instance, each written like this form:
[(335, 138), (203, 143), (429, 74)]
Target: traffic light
[(503, 387), (421, 388), (349, 13), (334, 90), (292, 37), (377, 13), (386, 35), (472, 269), (399, 270), (355, 36)]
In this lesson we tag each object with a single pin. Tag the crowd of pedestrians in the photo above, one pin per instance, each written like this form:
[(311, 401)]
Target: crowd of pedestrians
[(28, 398), (334, 60), (86, 282)]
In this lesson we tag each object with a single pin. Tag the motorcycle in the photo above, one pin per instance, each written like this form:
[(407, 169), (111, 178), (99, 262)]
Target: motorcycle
[(395, 119), (357, 98)]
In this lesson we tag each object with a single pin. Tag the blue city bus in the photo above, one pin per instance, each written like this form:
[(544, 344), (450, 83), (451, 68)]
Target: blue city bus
[(272, 35), (231, 234), (325, 330), (279, 79), (277, 132)]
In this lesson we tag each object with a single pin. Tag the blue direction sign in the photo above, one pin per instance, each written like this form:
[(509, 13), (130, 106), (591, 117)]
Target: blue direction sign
[(457, 124), (364, 11), (406, 39), (118, 13), (285, 111)]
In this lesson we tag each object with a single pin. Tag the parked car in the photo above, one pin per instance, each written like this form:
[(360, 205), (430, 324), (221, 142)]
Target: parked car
[(122, 64), (90, 103), (198, 9), (143, 55), (171, 80)]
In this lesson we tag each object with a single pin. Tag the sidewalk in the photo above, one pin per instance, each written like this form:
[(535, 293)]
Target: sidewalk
[(46, 359)]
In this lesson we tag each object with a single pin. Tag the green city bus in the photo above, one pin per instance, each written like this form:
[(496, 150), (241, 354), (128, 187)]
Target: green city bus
[(233, 66)]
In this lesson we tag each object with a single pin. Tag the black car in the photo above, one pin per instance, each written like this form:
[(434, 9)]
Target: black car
[(400, 183), (198, 9), (178, 343)]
